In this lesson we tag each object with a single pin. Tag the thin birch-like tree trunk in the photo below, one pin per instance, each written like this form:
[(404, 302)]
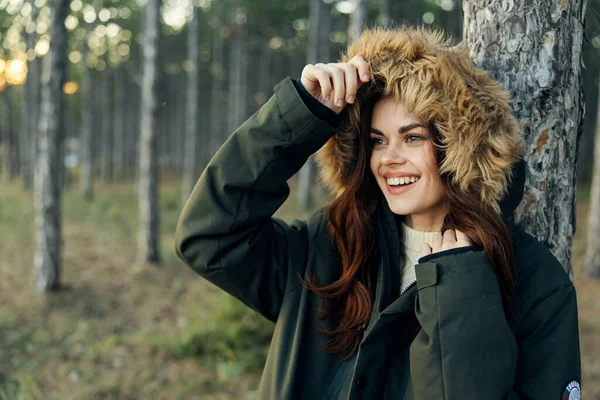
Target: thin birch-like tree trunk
[(148, 235), (47, 196), (534, 48), (191, 105), (32, 101)]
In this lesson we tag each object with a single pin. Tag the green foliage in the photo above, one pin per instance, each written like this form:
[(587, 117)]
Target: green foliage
[(235, 337)]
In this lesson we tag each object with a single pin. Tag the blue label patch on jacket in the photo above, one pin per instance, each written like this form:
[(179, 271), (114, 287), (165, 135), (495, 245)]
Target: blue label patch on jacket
[(572, 392)]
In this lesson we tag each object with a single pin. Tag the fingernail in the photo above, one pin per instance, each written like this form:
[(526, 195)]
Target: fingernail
[(365, 77), (339, 103), (327, 98), (350, 99)]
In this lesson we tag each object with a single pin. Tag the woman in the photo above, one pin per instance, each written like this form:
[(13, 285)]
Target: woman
[(414, 283)]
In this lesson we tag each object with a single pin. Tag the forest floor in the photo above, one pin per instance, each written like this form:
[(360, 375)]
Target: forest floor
[(121, 330)]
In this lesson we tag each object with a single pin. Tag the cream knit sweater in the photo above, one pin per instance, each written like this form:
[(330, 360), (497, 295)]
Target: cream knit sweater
[(412, 242)]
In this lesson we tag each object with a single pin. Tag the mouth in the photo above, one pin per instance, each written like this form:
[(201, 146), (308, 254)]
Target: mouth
[(398, 186)]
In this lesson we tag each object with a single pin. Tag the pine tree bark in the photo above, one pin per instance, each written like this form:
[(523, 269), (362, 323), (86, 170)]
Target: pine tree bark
[(148, 235), (534, 48), (592, 254), (47, 259), (191, 117)]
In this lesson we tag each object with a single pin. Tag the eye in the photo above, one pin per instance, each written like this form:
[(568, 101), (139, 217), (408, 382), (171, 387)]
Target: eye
[(413, 138), (377, 141)]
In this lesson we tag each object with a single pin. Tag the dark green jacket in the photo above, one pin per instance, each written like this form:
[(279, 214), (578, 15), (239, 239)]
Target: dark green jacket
[(467, 348)]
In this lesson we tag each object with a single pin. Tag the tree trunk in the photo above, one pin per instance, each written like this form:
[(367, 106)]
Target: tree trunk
[(385, 13), (217, 72), (148, 235), (358, 19), (119, 122), (592, 254), (191, 117), (47, 259), (106, 141), (32, 101), (320, 19), (534, 48), (87, 142), (238, 85), (10, 144)]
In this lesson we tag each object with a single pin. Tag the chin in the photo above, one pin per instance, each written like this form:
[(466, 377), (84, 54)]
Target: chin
[(400, 207)]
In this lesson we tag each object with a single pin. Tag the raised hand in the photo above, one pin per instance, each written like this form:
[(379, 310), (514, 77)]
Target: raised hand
[(335, 84), (451, 239)]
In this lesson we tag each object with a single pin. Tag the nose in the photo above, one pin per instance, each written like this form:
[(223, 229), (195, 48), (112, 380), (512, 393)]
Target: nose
[(393, 156)]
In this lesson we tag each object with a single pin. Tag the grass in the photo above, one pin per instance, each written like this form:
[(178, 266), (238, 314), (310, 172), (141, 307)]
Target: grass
[(120, 330)]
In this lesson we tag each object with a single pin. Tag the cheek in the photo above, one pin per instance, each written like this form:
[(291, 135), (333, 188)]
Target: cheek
[(374, 164)]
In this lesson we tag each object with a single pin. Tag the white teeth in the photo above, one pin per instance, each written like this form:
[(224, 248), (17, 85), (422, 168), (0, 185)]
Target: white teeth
[(401, 181)]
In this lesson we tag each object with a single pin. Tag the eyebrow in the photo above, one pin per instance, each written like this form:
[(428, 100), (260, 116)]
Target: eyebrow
[(402, 130)]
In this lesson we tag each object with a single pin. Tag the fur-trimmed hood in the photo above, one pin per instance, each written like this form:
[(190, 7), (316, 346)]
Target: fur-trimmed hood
[(439, 84)]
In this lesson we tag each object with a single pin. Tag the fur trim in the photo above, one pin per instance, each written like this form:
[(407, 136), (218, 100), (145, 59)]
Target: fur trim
[(439, 84)]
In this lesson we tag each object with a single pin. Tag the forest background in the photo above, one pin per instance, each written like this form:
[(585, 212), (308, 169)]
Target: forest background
[(124, 318)]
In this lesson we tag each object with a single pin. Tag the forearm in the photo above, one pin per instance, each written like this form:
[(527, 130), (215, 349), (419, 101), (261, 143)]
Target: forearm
[(465, 348)]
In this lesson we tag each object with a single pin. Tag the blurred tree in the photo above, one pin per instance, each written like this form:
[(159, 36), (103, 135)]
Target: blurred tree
[(9, 125), (32, 102), (191, 116), (320, 26), (238, 74), (545, 79), (47, 259), (149, 229), (358, 18), (385, 13), (87, 129), (217, 73)]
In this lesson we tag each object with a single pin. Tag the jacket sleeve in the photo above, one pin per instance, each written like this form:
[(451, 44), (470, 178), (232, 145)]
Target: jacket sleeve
[(226, 232), (466, 349)]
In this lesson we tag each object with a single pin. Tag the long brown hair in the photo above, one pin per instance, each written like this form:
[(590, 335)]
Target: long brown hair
[(352, 230)]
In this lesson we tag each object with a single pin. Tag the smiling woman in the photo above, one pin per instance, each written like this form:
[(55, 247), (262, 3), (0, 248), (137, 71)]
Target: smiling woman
[(414, 283)]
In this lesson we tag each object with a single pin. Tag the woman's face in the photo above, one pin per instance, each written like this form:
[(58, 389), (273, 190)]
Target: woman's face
[(404, 165)]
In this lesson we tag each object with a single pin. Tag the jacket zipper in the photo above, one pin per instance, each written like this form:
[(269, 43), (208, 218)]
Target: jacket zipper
[(413, 283)]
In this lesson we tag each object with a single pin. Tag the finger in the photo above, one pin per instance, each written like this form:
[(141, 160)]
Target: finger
[(322, 75), (449, 239), (462, 239), (436, 242), (339, 87), (351, 82), (364, 70), (425, 250)]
